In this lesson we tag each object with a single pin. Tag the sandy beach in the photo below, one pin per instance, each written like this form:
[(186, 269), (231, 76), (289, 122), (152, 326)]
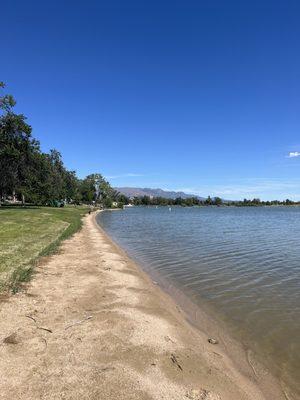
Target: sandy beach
[(92, 325)]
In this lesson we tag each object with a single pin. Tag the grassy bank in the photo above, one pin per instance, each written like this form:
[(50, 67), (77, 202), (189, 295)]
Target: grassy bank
[(29, 233)]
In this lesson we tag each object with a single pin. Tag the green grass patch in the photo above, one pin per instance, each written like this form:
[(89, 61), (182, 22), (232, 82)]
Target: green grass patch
[(26, 234)]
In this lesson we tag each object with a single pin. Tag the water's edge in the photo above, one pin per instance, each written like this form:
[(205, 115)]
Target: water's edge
[(207, 322)]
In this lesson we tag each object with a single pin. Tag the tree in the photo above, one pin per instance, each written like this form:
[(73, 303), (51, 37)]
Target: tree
[(71, 183), (87, 189), (189, 201), (95, 188), (7, 102), (17, 149), (122, 200), (218, 201), (145, 200), (255, 201), (208, 201)]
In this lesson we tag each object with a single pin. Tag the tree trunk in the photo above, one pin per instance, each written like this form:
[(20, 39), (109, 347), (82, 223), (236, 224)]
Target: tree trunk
[(23, 200)]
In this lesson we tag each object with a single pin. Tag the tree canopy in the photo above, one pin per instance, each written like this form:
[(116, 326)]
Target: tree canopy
[(28, 174)]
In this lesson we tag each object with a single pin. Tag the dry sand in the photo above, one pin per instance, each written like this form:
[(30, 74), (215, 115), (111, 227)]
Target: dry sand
[(92, 325)]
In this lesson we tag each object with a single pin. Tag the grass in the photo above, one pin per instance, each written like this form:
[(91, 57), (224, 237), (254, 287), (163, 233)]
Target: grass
[(26, 234)]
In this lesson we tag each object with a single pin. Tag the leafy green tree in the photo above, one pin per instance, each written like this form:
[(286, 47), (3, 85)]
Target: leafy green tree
[(218, 201), (17, 150), (71, 187), (189, 202), (145, 200), (208, 201), (87, 190), (255, 201), (122, 200), (7, 102), (178, 201), (96, 188)]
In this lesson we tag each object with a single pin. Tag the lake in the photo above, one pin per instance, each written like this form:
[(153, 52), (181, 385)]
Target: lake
[(242, 263)]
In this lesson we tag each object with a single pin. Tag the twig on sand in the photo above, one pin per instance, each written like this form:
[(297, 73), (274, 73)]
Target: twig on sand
[(29, 316), (175, 361), (44, 329), (39, 327), (79, 322)]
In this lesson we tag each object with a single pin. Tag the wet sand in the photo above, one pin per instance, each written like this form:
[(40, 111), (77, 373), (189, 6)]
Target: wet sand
[(92, 325)]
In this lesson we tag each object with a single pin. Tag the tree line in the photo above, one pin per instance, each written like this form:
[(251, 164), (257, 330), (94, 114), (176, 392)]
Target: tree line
[(179, 201), (209, 201), (29, 175)]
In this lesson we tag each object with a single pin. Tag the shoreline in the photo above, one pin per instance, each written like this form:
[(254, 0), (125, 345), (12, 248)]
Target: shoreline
[(93, 325), (208, 320), (198, 317)]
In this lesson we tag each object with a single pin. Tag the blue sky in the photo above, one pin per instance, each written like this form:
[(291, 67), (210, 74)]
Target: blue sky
[(190, 95)]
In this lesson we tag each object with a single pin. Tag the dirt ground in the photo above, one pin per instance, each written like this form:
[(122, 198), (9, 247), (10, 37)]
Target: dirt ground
[(91, 325)]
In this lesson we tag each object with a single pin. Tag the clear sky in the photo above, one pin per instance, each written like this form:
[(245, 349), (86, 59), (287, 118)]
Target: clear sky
[(201, 96)]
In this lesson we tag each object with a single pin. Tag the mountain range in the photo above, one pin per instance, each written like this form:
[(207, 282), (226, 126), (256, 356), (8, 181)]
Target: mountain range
[(139, 192)]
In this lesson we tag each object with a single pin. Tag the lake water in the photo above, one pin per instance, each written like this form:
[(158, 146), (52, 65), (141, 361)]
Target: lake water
[(244, 263)]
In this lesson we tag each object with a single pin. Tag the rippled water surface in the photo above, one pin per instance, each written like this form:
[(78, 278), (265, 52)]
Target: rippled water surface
[(242, 262)]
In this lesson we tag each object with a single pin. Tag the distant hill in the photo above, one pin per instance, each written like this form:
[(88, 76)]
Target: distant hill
[(139, 192)]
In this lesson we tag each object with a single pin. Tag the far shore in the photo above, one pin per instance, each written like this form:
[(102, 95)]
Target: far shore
[(92, 325)]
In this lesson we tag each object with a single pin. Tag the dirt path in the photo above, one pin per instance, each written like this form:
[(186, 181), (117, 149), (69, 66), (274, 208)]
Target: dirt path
[(90, 325)]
